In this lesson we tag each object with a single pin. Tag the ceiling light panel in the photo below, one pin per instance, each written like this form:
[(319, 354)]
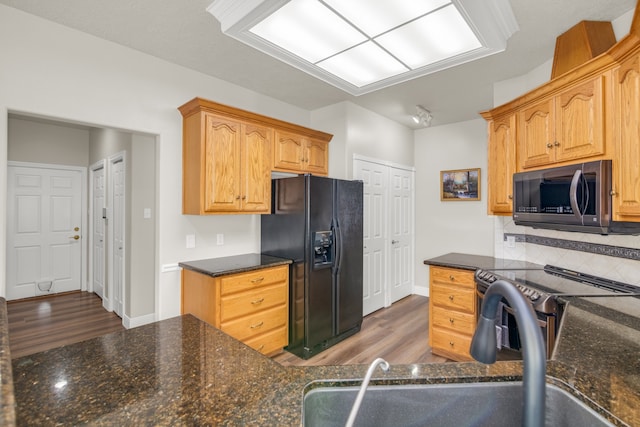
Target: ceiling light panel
[(432, 38), (363, 65), (309, 30), (374, 17)]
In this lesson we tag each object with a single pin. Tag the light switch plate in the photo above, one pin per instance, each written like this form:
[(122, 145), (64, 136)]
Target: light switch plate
[(191, 241), (220, 239), (511, 241), (146, 213)]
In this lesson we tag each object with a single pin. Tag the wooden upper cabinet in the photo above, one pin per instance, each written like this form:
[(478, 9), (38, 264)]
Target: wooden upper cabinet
[(501, 164), (228, 155), (297, 153), (626, 161), (564, 127)]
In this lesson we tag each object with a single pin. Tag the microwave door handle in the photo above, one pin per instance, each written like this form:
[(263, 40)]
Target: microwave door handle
[(573, 194)]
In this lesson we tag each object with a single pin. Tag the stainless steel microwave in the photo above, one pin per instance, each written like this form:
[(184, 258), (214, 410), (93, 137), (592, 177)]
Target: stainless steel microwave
[(569, 198)]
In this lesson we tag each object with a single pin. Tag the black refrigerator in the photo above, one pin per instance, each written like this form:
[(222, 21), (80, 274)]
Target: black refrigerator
[(317, 223)]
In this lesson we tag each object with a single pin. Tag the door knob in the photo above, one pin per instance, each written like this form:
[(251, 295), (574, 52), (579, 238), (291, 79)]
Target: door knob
[(76, 237), (393, 242)]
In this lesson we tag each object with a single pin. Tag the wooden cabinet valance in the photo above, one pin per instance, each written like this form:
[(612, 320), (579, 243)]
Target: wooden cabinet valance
[(228, 155)]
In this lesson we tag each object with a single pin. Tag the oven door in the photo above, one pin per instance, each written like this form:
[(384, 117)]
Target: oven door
[(507, 334)]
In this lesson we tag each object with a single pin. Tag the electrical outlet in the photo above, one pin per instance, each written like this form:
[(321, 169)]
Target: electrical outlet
[(220, 239), (511, 241), (191, 241)]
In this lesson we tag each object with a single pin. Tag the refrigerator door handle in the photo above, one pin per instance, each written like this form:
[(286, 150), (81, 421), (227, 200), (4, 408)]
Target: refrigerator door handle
[(337, 242)]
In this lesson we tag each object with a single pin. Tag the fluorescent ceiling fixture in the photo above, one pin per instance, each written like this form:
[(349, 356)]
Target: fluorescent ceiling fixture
[(364, 45)]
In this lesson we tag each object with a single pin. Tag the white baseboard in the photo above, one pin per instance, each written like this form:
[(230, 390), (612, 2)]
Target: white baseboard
[(421, 290), (134, 322)]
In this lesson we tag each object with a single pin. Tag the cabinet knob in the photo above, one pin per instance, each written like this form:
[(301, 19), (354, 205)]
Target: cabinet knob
[(244, 197), (510, 197), (451, 343), (237, 197), (452, 277), (450, 297), (549, 145), (613, 193), (557, 144), (451, 320)]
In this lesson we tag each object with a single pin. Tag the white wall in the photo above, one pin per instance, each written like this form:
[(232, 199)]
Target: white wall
[(358, 131), (451, 226), (53, 71), (41, 142)]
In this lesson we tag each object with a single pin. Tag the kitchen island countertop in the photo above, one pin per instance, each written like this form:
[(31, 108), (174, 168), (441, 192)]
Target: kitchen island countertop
[(181, 371)]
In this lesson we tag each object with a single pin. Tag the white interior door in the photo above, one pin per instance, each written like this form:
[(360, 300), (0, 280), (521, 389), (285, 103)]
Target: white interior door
[(44, 236), (375, 180), (97, 229), (117, 182), (401, 230)]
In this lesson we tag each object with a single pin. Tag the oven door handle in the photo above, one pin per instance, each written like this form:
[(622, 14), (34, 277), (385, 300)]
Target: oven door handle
[(541, 323), (573, 195)]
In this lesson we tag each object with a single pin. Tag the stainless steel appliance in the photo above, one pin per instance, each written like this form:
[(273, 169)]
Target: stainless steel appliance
[(570, 198), (317, 223), (544, 287)]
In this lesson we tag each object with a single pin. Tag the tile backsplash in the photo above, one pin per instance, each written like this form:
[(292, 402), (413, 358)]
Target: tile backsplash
[(614, 257)]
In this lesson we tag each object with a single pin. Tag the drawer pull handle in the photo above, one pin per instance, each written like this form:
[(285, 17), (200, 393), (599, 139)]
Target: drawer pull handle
[(257, 325), (450, 297), (451, 320), (258, 280), (257, 301)]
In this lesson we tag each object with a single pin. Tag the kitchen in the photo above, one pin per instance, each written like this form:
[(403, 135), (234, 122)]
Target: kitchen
[(138, 102)]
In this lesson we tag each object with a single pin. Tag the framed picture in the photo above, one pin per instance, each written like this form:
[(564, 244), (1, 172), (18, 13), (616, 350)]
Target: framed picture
[(460, 185)]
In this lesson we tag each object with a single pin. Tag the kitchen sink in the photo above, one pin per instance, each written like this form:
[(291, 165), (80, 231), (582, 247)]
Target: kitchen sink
[(492, 404)]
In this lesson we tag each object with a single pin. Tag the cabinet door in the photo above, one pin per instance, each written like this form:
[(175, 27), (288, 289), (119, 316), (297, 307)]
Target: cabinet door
[(288, 151), (626, 161), (316, 157), (580, 121), (256, 168), (502, 164), (222, 164), (536, 127)]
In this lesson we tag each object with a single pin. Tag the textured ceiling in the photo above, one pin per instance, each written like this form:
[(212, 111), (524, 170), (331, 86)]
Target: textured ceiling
[(183, 32)]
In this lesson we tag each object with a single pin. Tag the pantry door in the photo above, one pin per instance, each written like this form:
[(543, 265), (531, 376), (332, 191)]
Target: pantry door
[(374, 279), (44, 229), (401, 231)]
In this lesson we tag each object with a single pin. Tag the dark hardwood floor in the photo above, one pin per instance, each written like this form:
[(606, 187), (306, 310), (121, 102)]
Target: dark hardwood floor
[(38, 324), (399, 334)]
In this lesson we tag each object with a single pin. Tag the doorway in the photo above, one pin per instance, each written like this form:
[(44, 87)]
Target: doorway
[(134, 157), (388, 231)]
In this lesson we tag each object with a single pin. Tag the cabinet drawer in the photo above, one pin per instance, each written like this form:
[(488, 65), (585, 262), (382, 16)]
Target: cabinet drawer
[(270, 342), (452, 297), (461, 322), (254, 279), (248, 326), (451, 342), (454, 276), (244, 303)]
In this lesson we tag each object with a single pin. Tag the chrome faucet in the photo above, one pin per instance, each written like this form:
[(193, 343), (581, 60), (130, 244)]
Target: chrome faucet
[(484, 348), (384, 365)]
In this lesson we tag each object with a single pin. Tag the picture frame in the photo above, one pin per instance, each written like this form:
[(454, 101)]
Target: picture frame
[(462, 185)]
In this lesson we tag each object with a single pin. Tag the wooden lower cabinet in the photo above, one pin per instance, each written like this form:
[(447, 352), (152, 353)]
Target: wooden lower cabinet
[(252, 307), (452, 312)]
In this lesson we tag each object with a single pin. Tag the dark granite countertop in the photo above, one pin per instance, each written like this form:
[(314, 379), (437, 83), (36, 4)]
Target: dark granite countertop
[(181, 371), (7, 402), (233, 264), (474, 262)]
